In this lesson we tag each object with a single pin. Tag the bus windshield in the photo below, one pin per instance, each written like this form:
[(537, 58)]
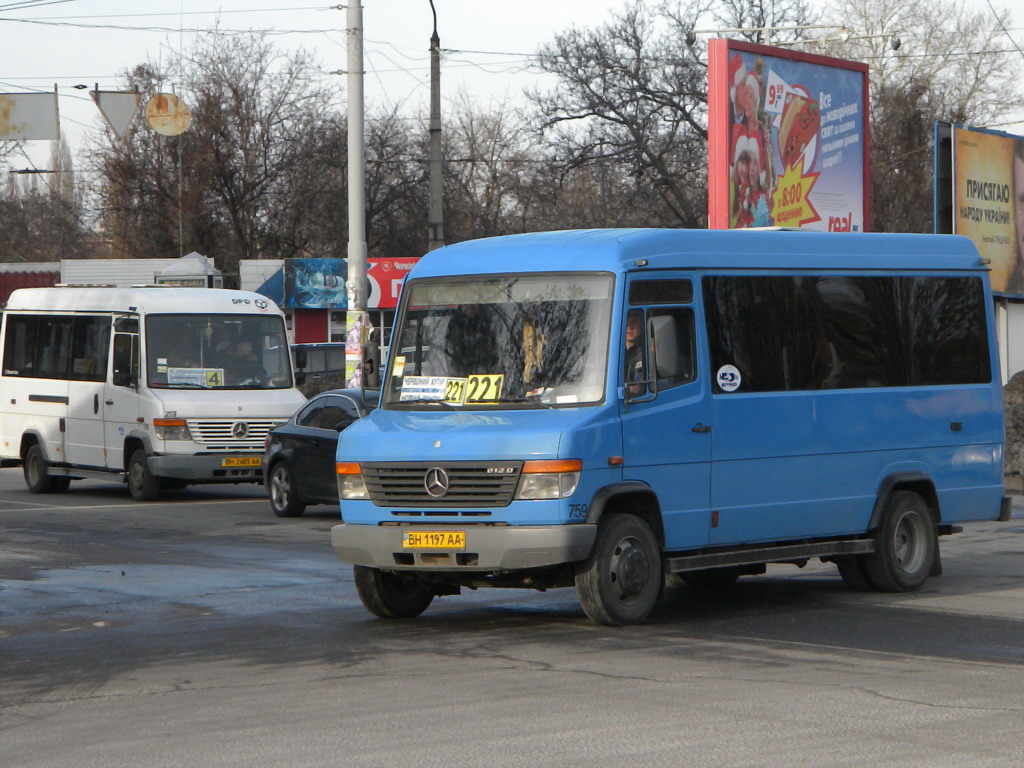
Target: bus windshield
[(198, 351), (501, 341)]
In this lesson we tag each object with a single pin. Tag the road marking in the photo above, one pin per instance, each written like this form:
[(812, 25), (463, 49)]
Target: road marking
[(137, 505)]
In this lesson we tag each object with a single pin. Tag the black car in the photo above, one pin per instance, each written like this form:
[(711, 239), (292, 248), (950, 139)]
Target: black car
[(298, 461)]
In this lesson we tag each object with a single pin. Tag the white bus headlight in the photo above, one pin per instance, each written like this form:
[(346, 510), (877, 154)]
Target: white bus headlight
[(350, 481), (171, 429), (549, 479)]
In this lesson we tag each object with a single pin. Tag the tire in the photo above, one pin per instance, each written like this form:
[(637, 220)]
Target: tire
[(284, 493), (906, 545), (391, 595), (620, 582), (712, 578), (143, 484), (854, 572), (37, 474)]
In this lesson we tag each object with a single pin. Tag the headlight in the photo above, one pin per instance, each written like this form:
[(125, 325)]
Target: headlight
[(549, 479), (350, 481), (171, 429)]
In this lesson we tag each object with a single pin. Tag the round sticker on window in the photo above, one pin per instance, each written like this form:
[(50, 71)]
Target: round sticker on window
[(728, 378)]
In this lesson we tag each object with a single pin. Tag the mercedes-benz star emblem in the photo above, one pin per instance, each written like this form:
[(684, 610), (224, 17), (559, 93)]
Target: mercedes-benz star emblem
[(239, 430), (436, 482)]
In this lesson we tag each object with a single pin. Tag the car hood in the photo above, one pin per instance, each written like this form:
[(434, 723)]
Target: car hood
[(387, 435)]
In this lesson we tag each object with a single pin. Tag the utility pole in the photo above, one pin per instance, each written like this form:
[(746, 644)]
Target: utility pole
[(435, 236), (356, 287)]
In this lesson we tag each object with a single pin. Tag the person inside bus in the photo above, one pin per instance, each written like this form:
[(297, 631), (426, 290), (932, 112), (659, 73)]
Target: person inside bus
[(634, 366), (470, 342), (241, 362)]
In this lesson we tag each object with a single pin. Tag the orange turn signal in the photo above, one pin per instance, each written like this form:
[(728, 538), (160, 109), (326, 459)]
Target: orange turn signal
[(168, 422), (540, 466), (347, 468)]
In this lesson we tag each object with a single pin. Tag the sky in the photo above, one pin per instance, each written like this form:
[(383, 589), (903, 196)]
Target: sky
[(487, 43)]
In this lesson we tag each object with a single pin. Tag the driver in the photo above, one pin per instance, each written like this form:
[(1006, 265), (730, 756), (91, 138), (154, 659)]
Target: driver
[(241, 361)]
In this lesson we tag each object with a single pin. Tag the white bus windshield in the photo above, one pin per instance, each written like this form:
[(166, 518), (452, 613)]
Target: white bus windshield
[(197, 351), (501, 341)]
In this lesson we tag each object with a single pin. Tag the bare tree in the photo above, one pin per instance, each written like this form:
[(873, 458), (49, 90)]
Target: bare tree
[(952, 65), (634, 93)]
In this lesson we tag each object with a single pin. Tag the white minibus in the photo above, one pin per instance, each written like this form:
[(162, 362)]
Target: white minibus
[(155, 386)]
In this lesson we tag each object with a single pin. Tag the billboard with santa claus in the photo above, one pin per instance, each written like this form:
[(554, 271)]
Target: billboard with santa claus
[(787, 139)]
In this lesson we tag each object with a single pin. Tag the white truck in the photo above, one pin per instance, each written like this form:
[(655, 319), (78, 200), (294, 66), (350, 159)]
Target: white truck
[(155, 386)]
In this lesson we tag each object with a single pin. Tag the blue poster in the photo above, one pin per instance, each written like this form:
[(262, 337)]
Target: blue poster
[(315, 283)]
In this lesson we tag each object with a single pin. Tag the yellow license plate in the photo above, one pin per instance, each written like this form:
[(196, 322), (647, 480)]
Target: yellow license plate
[(433, 539), (241, 461)]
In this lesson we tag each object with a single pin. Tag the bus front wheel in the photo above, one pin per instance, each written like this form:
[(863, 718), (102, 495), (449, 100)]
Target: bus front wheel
[(621, 580), (143, 484), (391, 595)]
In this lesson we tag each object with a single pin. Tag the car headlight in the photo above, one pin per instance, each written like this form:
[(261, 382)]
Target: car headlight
[(171, 429), (350, 481), (549, 479)]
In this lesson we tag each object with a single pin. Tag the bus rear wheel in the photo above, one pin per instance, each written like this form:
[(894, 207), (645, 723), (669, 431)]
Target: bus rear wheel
[(391, 595), (905, 545), (37, 474), (620, 582)]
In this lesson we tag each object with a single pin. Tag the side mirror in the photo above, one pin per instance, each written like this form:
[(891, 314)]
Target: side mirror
[(300, 358)]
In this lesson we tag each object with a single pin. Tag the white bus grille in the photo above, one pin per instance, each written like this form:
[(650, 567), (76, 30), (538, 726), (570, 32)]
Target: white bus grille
[(231, 434)]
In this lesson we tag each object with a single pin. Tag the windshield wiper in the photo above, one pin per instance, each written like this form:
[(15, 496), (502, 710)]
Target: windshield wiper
[(426, 401), (525, 401)]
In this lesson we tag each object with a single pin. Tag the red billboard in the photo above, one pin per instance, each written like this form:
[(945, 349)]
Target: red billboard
[(386, 276), (787, 139)]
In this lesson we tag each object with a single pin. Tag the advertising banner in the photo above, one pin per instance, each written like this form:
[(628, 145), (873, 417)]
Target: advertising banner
[(988, 201), (787, 139), (315, 283), (320, 283), (386, 278)]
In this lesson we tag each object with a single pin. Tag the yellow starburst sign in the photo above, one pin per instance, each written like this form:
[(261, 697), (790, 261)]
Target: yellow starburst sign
[(791, 206)]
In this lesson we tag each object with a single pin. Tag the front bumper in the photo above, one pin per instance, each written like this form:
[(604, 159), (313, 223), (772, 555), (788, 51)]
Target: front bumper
[(488, 547), (206, 468)]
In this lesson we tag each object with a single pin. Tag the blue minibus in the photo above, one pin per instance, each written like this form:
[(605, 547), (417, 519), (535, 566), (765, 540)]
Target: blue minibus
[(612, 410)]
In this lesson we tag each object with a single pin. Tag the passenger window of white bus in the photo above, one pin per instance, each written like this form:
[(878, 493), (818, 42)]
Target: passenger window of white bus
[(90, 345)]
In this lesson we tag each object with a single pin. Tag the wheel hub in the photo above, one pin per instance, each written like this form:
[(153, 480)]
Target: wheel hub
[(629, 568)]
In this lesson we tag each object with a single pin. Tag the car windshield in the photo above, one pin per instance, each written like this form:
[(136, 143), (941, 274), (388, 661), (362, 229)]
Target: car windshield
[(217, 352), (501, 341)]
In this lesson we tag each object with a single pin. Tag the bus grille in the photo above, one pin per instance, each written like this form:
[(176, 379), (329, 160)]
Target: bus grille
[(228, 435), (469, 483)]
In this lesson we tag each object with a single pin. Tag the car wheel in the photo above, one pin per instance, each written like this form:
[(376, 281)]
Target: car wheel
[(392, 595), (284, 493)]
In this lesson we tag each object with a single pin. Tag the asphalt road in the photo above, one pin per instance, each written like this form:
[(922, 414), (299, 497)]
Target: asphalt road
[(200, 630)]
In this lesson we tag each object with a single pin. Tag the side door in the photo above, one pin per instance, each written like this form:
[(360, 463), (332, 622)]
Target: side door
[(337, 413), (313, 443), (87, 362), (666, 413), (121, 395)]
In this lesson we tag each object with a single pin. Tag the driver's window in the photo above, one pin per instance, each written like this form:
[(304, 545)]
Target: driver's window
[(672, 331), (635, 359)]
